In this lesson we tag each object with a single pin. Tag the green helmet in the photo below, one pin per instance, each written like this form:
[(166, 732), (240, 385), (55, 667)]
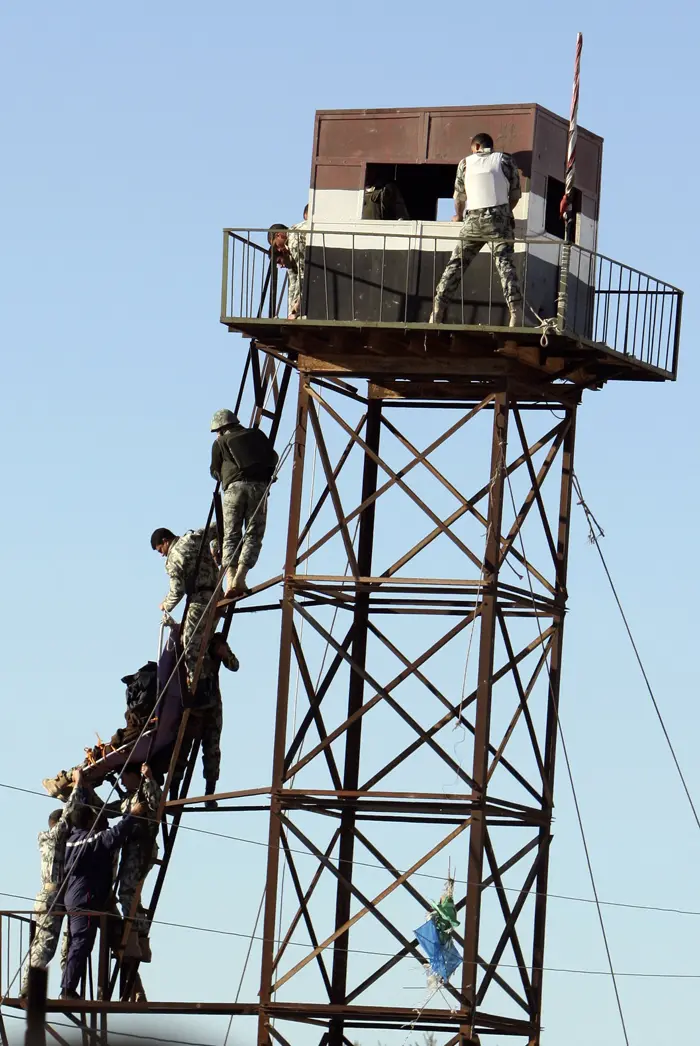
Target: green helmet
[(222, 418)]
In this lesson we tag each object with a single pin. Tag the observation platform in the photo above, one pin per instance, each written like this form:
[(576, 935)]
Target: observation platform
[(366, 299)]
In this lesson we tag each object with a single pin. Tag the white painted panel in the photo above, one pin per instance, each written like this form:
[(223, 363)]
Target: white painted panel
[(586, 232), (345, 205), (535, 215), (548, 252), (336, 205), (521, 210)]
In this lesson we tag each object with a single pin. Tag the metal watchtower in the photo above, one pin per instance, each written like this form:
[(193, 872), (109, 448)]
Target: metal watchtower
[(424, 580), (368, 772)]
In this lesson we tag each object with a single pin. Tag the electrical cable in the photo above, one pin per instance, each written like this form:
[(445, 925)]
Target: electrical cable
[(218, 931), (593, 537), (555, 709), (661, 909)]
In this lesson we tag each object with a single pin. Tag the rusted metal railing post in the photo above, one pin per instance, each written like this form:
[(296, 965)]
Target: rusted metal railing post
[(35, 1034)]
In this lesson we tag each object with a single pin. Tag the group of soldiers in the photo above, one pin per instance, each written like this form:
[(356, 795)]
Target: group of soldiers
[(81, 858), (487, 189), (87, 868)]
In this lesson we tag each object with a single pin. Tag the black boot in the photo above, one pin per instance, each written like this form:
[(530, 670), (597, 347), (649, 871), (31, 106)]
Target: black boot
[(175, 788), (210, 789)]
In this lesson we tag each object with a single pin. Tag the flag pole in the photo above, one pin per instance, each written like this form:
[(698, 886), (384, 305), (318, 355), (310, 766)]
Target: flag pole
[(566, 207)]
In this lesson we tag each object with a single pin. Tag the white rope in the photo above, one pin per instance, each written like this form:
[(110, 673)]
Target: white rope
[(547, 325)]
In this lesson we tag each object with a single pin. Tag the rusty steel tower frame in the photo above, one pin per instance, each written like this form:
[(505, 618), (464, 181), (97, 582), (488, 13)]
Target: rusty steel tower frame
[(496, 817), (423, 601)]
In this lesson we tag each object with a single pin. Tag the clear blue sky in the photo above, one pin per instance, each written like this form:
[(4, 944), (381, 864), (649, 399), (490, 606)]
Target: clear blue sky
[(131, 135)]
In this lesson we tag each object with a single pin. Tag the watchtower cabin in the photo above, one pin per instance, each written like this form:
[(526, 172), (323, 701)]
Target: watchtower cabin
[(379, 233)]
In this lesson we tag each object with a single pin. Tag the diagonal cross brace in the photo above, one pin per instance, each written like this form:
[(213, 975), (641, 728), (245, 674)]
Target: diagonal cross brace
[(400, 483), (368, 905), (420, 457), (381, 694)]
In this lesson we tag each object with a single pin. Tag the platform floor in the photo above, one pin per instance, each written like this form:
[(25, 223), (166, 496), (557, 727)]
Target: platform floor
[(478, 356)]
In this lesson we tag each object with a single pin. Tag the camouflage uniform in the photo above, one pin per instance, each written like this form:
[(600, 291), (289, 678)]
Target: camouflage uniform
[(138, 854), (212, 725), (494, 225), (245, 501), (49, 915), (296, 245), (180, 566), (210, 721)]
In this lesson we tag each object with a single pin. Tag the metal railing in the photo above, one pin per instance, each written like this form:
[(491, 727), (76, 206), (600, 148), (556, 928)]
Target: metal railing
[(16, 933), (15, 937), (351, 275)]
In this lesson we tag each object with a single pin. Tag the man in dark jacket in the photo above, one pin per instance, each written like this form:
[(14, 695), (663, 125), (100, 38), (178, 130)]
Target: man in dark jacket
[(244, 461), (89, 877)]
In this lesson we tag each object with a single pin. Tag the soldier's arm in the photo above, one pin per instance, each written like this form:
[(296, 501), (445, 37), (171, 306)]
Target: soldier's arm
[(513, 175), (78, 795), (176, 573), (217, 460), (110, 839), (460, 194)]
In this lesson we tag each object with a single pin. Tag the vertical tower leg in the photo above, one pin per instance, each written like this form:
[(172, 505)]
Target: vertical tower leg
[(269, 927), (354, 734), (487, 635), (550, 747)]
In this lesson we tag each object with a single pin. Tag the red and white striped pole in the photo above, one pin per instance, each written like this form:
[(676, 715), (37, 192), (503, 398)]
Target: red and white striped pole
[(566, 206)]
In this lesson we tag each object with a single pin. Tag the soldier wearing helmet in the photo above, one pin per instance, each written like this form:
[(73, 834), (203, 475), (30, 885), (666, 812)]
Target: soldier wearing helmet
[(244, 462)]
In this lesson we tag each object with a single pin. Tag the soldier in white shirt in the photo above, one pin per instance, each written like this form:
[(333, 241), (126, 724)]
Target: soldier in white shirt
[(488, 187)]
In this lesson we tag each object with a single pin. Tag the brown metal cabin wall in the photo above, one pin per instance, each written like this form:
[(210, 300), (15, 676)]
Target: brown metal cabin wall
[(346, 140), (549, 159)]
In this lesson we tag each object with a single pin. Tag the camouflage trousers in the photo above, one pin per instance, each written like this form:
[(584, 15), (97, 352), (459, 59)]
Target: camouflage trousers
[(192, 632), (245, 504), (296, 244), (294, 295), (493, 225), (47, 930), (210, 721), (138, 857), (212, 725)]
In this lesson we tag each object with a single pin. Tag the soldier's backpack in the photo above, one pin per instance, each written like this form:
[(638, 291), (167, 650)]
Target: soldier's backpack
[(252, 452), (141, 689)]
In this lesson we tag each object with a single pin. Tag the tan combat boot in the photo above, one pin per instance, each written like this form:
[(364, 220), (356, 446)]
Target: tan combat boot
[(60, 786), (239, 586)]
